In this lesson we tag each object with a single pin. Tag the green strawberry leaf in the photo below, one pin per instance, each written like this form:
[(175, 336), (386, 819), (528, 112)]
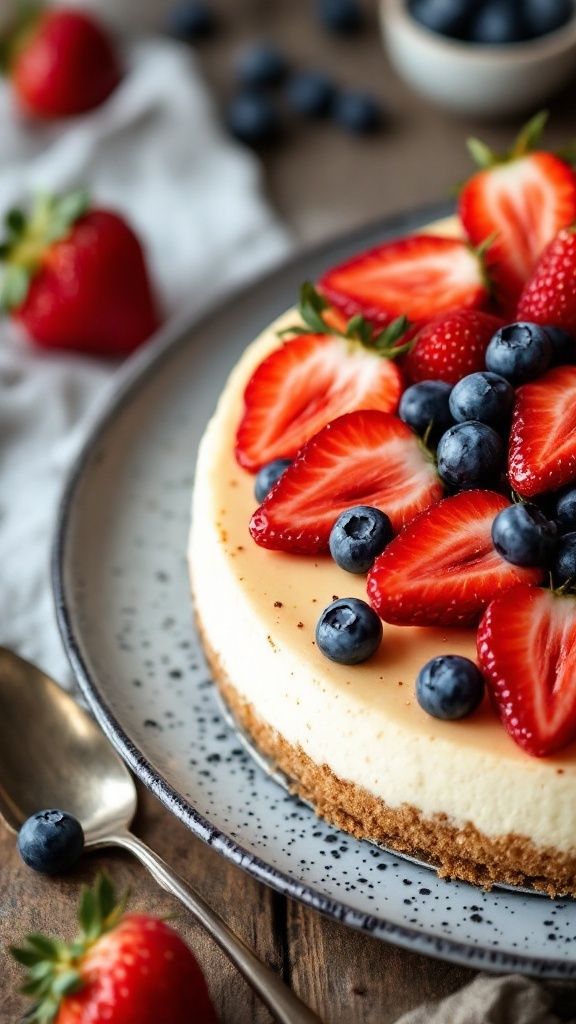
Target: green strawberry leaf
[(530, 135), (14, 286)]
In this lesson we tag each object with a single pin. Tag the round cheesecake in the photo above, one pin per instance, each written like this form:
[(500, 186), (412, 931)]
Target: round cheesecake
[(460, 795)]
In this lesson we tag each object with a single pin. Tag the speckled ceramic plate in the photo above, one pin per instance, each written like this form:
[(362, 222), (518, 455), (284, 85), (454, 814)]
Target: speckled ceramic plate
[(125, 613)]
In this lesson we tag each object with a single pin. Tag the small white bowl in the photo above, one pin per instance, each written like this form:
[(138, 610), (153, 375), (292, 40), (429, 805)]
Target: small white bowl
[(477, 78)]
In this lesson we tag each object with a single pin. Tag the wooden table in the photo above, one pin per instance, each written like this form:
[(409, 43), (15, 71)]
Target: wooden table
[(322, 181)]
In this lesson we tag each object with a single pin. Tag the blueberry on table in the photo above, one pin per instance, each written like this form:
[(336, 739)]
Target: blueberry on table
[(310, 93), (565, 512), (470, 455), (449, 687), (357, 112), (519, 352), (252, 118), (342, 16), (51, 841), (523, 535), (564, 563), (499, 22), (260, 64), (191, 20), (543, 16), (563, 346), (447, 17), (268, 476), (482, 396), (349, 631), (358, 536), (425, 408)]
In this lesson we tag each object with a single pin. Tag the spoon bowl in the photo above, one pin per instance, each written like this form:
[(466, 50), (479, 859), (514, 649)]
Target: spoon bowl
[(53, 755)]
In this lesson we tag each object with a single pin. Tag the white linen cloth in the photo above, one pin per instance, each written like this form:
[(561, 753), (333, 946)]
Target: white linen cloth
[(155, 153)]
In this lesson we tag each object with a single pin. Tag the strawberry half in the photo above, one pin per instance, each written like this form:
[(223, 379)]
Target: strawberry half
[(312, 379), (527, 651), (443, 569), (420, 276), (520, 202), (549, 295), (542, 448), (365, 457), (451, 346)]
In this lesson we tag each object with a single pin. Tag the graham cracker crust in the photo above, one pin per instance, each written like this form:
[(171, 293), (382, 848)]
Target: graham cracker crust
[(455, 851)]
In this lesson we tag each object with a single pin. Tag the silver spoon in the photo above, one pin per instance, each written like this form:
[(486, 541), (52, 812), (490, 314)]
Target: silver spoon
[(53, 754)]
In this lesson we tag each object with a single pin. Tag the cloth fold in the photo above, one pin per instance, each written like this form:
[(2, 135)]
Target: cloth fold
[(510, 999), (156, 153)]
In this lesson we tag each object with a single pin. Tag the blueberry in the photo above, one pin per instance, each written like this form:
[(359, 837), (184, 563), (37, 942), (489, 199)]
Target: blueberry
[(543, 16), (51, 841), (564, 564), (482, 396), (425, 408), (470, 455), (447, 17), (310, 93), (523, 535), (348, 631), (191, 20), (252, 118), (449, 687), (343, 16), (267, 477), (519, 352), (358, 536), (260, 64), (563, 346), (564, 514), (499, 22), (357, 112)]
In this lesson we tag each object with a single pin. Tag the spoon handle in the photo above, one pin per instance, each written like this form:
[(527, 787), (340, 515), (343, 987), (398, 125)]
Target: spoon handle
[(284, 1004)]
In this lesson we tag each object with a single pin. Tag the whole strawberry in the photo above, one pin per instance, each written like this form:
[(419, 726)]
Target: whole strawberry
[(549, 296), (60, 61), (451, 346), (122, 969), (74, 277)]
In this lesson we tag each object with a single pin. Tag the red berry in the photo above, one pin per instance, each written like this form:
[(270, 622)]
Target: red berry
[(451, 346)]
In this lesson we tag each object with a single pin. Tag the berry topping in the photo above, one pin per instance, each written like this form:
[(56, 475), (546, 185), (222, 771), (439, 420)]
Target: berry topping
[(342, 16), (470, 455), (449, 687), (451, 346), (425, 408), (358, 536), (191, 20), (542, 451), (314, 377), (348, 631), (51, 841), (365, 457), (520, 201), (482, 396), (421, 277), (563, 346), (549, 295), (260, 64), (564, 564), (443, 569), (357, 112), (519, 352), (267, 477), (523, 535), (527, 652), (252, 118), (565, 511)]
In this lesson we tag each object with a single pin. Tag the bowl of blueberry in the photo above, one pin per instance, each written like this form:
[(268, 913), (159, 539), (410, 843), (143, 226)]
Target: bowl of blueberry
[(487, 58)]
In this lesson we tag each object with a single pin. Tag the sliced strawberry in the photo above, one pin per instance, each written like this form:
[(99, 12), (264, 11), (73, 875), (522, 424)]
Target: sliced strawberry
[(420, 276), (365, 457), (314, 378), (549, 296), (451, 346), (527, 651), (542, 451), (520, 201), (443, 569)]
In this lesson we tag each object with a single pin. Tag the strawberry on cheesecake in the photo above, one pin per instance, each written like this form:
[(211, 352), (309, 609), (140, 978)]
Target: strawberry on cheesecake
[(383, 542)]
